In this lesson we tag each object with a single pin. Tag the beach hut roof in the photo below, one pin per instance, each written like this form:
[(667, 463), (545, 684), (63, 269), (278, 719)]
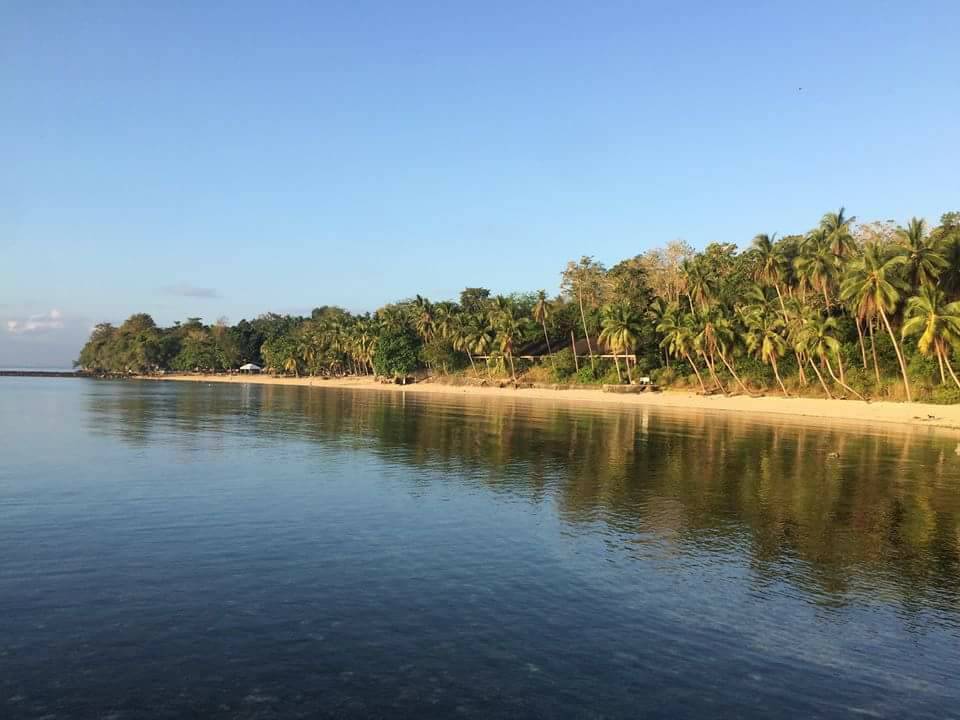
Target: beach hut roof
[(250, 366)]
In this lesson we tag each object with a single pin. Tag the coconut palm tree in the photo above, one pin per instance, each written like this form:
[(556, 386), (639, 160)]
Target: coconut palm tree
[(925, 261), (462, 337), (837, 230), (701, 285), (541, 311), (621, 330), (820, 340), (816, 266), (679, 339), (764, 338), (423, 317), (873, 285), (510, 329), (771, 265), (937, 322)]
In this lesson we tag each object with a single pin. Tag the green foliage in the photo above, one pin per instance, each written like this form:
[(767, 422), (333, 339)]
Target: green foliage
[(397, 352), (743, 316)]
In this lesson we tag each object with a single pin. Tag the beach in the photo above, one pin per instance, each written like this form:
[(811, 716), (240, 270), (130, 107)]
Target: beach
[(847, 411)]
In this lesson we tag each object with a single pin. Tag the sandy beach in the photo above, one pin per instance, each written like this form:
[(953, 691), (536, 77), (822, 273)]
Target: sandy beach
[(853, 411)]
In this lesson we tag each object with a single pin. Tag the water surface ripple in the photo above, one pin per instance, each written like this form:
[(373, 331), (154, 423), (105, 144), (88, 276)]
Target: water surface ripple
[(178, 550)]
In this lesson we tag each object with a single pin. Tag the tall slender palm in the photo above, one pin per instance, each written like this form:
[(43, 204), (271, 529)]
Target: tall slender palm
[(621, 330), (679, 339), (424, 317), (925, 261), (937, 322), (764, 338), (541, 311), (820, 340), (816, 266), (701, 285), (771, 265), (873, 286), (462, 337), (837, 229), (510, 329)]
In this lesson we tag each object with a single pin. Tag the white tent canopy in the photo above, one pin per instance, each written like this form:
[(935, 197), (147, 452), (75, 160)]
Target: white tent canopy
[(250, 367)]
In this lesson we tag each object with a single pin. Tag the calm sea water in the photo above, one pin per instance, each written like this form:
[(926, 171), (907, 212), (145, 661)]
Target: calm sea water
[(172, 550)]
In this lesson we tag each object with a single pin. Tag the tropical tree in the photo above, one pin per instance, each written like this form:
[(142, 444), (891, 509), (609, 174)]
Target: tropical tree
[(820, 341), (925, 261), (816, 266), (510, 328), (873, 286), (836, 228), (586, 282), (764, 338), (937, 322), (679, 339), (541, 310), (621, 329), (770, 265)]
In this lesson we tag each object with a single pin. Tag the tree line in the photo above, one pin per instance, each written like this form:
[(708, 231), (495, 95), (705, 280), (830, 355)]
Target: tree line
[(865, 310)]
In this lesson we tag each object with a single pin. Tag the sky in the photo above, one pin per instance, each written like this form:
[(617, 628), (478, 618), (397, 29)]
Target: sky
[(226, 159)]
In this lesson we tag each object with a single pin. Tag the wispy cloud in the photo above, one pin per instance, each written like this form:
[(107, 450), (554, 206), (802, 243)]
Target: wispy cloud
[(192, 291), (45, 322)]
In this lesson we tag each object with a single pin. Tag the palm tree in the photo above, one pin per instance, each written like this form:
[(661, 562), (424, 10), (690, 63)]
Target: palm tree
[(925, 261), (701, 286), (836, 228), (820, 340), (510, 327), (541, 310), (423, 318), (873, 286), (771, 265), (816, 266), (764, 338), (679, 339), (462, 338), (621, 329), (938, 325)]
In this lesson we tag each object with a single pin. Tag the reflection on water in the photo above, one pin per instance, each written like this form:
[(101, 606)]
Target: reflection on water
[(347, 553), (836, 507)]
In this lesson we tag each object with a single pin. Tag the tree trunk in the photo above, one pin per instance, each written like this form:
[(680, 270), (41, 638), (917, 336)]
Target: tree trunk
[(696, 372), (826, 298), (586, 332), (800, 364), (513, 370), (820, 378), (946, 359), (734, 373), (783, 308), (843, 379), (943, 379), (573, 346), (473, 364), (616, 361), (863, 349), (840, 382), (873, 350), (713, 374), (903, 364), (547, 338), (629, 374), (776, 374)]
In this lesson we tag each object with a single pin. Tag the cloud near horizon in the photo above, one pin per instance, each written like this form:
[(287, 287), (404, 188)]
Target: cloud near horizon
[(44, 322), (191, 291)]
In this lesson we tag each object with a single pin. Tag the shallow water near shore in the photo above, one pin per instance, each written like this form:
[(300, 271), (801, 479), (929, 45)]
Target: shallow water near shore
[(259, 551)]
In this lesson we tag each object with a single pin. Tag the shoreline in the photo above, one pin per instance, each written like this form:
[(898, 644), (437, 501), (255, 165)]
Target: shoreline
[(916, 415)]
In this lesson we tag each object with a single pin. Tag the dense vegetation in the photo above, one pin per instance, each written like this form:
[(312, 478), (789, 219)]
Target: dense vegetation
[(869, 310)]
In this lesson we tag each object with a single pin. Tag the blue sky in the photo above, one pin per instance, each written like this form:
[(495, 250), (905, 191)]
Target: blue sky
[(227, 158)]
